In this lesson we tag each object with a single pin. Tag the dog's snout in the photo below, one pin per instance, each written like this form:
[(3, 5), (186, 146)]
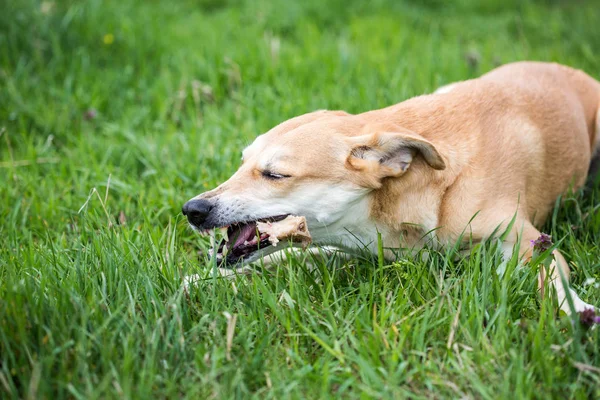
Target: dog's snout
[(197, 211)]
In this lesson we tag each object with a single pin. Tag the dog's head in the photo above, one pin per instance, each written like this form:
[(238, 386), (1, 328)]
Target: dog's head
[(323, 166)]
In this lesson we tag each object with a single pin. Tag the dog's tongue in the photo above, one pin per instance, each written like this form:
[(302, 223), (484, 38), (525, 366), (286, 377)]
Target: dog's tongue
[(246, 233)]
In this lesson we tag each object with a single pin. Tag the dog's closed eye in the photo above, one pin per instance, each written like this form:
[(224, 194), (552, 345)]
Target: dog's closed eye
[(273, 175)]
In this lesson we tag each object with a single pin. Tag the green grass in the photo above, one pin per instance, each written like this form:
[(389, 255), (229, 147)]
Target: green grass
[(92, 303)]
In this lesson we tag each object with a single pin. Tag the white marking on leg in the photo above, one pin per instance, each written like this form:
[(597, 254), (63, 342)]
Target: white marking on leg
[(559, 281)]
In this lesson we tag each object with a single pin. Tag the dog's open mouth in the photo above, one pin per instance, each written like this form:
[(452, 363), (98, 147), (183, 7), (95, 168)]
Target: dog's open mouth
[(244, 239)]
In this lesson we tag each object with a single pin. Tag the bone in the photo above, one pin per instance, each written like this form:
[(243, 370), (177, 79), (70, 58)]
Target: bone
[(225, 234), (292, 228)]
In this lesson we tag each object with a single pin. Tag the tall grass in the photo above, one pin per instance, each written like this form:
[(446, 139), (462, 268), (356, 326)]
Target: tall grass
[(113, 113)]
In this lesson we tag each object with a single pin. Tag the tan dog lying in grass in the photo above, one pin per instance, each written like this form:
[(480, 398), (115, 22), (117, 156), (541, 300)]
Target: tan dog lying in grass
[(457, 164)]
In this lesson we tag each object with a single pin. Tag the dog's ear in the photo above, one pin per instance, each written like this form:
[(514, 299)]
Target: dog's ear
[(389, 153)]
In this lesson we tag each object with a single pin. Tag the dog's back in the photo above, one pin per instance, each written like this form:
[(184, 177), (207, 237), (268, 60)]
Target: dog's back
[(520, 136), (573, 84)]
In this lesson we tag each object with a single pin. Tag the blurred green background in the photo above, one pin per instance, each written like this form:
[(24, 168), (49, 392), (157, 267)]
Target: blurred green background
[(150, 103)]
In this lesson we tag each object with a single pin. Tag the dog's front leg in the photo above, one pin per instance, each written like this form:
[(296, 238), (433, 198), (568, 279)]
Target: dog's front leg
[(561, 285)]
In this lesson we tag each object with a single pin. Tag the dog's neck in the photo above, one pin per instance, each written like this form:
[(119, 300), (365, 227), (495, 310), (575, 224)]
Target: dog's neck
[(409, 206)]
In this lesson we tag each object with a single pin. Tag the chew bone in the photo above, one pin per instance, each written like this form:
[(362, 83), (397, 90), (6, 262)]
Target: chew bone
[(291, 228)]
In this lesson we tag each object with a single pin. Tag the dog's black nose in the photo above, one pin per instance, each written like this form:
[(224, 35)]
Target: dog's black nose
[(197, 211)]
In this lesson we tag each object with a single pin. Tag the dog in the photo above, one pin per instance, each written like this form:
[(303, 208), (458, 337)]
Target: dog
[(472, 159)]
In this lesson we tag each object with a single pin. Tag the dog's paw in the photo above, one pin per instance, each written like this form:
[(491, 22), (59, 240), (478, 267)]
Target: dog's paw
[(192, 280), (233, 272), (579, 305)]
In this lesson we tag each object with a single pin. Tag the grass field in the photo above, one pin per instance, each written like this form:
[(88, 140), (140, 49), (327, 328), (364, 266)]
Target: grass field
[(114, 113)]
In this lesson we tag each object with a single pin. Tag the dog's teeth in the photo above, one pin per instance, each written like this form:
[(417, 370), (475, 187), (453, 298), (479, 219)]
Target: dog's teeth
[(246, 243), (211, 252), (224, 233), (220, 256)]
